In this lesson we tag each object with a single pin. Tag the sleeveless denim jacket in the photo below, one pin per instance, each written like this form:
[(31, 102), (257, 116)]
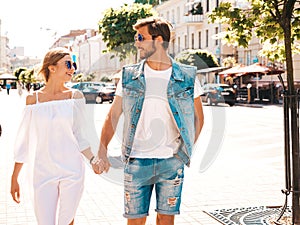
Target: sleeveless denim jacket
[(180, 94)]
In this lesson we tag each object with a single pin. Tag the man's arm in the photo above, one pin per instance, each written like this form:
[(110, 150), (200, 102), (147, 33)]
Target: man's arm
[(199, 117), (108, 130)]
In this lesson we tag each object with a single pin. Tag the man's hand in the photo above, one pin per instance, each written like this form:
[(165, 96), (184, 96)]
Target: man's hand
[(101, 165)]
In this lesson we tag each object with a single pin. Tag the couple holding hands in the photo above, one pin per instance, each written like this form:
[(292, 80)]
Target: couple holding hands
[(163, 117)]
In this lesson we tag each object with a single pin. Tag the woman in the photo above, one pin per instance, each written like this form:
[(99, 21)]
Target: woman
[(52, 126)]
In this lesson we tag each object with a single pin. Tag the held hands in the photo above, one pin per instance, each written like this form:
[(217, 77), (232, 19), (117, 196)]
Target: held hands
[(100, 165), (15, 190)]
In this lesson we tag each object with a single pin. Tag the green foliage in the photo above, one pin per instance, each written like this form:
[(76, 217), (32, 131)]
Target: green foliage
[(116, 27), (196, 57), (18, 71), (25, 76), (105, 79), (229, 62), (80, 77), (265, 19), (150, 2)]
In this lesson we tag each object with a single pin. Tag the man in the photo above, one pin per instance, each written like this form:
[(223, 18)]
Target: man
[(163, 118)]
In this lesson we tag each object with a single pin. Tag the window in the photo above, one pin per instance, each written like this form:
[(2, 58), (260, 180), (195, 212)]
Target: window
[(197, 9), (173, 17), (248, 57), (206, 38), (193, 41), (178, 15), (216, 32), (217, 3), (185, 42), (207, 5), (199, 40), (173, 47), (178, 43)]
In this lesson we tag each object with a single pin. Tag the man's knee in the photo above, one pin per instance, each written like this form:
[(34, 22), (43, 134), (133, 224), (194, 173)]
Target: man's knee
[(162, 219), (138, 221)]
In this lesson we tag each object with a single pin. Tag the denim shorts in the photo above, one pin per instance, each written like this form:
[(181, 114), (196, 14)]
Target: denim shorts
[(141, 176)]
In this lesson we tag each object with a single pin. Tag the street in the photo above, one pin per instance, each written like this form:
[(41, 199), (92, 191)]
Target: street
[(238, 161)]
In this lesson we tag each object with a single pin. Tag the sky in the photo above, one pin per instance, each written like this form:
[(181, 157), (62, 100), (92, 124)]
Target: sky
[(34, 23)]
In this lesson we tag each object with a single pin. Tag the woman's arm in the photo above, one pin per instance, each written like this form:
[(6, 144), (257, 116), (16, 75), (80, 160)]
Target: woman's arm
[(15, 187)]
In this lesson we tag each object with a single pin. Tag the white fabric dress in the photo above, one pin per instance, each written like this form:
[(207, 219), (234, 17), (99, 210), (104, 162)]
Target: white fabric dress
[(50, 139)]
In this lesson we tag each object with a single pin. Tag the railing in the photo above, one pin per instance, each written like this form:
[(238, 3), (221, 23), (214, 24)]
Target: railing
[(291, 153), (193, 18)]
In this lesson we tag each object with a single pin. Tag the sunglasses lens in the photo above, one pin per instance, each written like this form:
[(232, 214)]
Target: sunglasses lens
[(138, 37), (68, 64), (75, 65)]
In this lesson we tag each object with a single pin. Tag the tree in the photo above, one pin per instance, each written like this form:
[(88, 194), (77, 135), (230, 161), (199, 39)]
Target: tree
[(18, 71), (27, 77), (116, 27), (277, 23), (200, 58), (80, 77), (150, 2)]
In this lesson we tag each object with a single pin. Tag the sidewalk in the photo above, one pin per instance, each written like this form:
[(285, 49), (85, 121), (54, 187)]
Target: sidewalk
[(233, 180)]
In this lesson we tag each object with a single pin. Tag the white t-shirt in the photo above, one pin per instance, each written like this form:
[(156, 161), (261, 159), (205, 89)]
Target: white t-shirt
[(157, 135)]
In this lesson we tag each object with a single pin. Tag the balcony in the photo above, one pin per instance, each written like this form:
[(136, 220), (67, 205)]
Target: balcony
[(193, 18)]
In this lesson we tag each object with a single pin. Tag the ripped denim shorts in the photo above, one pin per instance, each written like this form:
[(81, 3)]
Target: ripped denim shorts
[(141, 176)]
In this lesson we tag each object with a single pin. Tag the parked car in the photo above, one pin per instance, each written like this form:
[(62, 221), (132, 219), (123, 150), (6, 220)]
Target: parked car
[(95, 92), (218, 93)]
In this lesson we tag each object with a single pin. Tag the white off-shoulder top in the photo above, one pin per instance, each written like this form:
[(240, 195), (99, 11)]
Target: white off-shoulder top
[(52, 135)]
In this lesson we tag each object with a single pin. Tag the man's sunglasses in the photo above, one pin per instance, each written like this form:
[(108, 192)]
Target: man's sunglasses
[(71, 64), (141, 38)]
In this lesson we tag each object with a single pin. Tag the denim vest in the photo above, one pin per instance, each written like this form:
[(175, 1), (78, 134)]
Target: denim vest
[(180, 94)]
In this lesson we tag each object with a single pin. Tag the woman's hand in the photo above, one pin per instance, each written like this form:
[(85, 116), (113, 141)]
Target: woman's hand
[(15, 189), (101, 165)]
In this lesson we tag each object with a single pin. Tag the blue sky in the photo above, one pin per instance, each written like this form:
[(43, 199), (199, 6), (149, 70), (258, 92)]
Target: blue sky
[(33, 23)]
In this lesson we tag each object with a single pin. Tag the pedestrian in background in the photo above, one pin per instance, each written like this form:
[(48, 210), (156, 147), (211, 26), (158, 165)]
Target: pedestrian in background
[(163, 117), (51, 140), (8, 86)]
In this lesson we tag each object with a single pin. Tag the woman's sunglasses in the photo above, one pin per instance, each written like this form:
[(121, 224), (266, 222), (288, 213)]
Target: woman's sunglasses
[(71, 64)]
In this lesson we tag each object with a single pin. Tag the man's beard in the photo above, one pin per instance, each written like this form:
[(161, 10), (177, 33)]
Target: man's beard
[(148, 53)]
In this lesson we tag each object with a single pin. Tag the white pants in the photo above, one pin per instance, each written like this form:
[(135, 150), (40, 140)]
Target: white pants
[(63, 195)]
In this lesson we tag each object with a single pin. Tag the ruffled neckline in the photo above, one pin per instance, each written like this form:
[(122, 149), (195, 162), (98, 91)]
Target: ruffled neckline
[(53, 102)]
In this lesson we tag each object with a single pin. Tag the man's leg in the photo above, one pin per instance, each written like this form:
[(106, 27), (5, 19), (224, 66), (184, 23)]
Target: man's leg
[(168, 190), (138, 174), (139, 221), (165, 219)]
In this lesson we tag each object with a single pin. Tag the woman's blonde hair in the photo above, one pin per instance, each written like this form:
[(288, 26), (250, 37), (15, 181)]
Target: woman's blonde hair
[(51, 58)]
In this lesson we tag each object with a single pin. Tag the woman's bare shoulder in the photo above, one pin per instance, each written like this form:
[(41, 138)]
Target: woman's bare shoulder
[(77, 94), (31, 99)]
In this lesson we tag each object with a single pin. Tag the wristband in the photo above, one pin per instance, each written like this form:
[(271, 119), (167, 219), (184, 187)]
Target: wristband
[(95, 160), (91, 160)]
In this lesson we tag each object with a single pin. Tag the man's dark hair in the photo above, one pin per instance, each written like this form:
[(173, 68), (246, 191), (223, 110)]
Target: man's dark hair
[(157, 26)]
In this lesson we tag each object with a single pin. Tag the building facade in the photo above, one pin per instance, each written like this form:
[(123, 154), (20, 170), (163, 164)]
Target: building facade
[(192, 30)]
